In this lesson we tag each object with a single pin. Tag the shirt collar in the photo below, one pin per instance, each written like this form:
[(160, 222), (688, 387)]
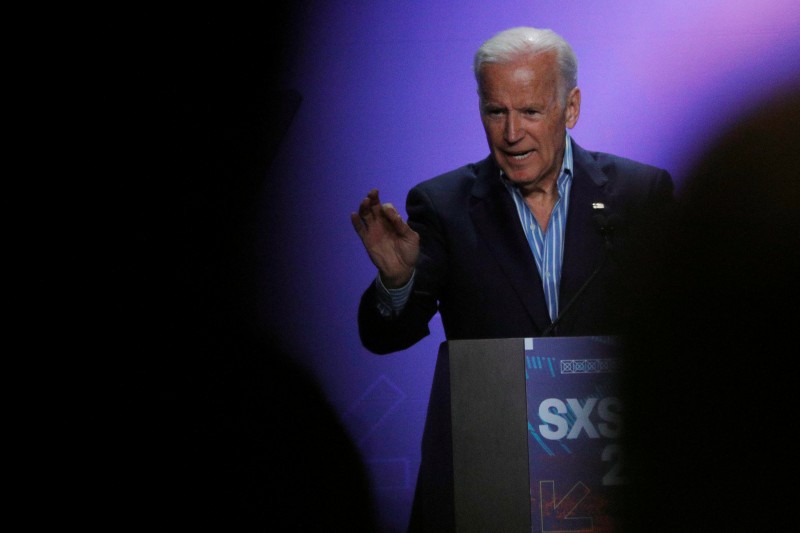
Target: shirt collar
[(566, 166)]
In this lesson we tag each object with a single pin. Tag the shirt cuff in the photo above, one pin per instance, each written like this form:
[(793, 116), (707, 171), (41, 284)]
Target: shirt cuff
[(392, 301)]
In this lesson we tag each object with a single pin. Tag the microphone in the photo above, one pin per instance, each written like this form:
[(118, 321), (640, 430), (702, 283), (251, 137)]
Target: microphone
[(605, 223)]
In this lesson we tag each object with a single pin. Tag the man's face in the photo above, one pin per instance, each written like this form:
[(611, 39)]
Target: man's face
[(524, 118)]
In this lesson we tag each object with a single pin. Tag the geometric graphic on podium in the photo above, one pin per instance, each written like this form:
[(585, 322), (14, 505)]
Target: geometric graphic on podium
[(589, 366)]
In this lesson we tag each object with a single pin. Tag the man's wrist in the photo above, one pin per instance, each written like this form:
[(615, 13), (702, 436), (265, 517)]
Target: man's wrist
[(395, 282)]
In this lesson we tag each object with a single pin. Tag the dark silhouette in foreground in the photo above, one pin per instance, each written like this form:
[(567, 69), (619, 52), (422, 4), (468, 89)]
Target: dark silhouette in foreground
[(218, 426), (711, 377)]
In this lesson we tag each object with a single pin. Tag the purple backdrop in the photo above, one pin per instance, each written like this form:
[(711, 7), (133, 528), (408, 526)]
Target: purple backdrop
[(388, 99)]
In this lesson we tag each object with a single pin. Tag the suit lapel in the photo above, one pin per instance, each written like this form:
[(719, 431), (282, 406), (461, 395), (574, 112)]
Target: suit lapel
[(495, 218), (583, 244)]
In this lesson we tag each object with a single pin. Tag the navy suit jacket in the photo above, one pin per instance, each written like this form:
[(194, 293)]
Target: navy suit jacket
[(477, 270)]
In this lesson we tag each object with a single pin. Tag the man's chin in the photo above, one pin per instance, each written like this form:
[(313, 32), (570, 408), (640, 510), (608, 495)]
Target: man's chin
[(520, 178)]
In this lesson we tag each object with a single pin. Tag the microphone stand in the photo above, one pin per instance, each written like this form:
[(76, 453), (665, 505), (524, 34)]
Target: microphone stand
[(605, 231)]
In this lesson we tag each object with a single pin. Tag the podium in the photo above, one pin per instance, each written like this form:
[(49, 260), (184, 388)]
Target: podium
[(526, 430)]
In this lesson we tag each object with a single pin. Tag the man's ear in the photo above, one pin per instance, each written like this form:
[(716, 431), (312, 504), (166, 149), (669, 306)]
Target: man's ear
[(573, 107)]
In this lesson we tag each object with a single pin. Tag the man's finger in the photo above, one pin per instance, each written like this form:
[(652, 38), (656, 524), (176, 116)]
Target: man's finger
[(365, 209), (359, 224), (390, 210)]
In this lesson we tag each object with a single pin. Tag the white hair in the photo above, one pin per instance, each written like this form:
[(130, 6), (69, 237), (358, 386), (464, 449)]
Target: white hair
[(510, 44)]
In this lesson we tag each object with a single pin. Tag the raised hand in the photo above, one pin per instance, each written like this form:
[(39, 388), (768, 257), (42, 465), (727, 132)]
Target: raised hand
[(390, 242)]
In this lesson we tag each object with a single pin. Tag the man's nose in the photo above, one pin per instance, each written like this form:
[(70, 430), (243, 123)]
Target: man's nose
[(513, 131)]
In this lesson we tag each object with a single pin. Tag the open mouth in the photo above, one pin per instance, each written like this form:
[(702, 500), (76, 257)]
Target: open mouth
[(522, 156)]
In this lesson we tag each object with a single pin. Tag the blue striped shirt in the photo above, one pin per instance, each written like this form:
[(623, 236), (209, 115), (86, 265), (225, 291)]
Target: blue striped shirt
[(547, 246)]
